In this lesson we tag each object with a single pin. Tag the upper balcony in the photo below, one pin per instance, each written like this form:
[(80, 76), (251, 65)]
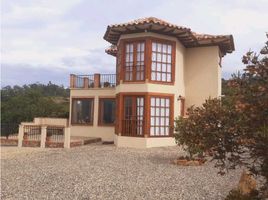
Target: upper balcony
[(92, 81)]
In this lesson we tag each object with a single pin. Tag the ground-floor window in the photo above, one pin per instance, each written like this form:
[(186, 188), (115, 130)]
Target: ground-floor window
[(133, 121), (82, 111), (106, 111), (160, 116)]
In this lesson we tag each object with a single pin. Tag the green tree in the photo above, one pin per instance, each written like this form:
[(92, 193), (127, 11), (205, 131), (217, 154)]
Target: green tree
[(233, 130)]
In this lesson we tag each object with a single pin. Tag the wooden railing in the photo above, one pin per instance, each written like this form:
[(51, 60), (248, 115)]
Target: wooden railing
[(133, 127), (92, 81)]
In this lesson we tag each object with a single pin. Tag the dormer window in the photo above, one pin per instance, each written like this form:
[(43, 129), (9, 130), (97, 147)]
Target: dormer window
[(148, 58)]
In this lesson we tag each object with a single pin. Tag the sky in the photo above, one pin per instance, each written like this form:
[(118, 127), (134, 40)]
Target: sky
[(46, 40)]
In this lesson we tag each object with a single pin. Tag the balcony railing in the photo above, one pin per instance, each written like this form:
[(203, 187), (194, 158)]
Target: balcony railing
[(133, 127), (93, 81)]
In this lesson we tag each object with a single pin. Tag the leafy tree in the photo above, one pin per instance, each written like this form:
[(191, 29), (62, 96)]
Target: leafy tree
[(35, 100), (234, 130)]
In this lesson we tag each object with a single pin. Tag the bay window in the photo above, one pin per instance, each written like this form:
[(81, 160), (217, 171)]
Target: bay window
[(148, 58)]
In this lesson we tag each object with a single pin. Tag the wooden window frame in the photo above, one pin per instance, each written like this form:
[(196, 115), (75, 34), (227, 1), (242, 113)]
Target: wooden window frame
[(171, 114), (147, 114), (92, 111), (134, 108), (173, 60), (147, 59), (134, 41), (100, 111)]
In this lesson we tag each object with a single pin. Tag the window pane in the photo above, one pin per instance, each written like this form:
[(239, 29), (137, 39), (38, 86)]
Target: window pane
[(164, 58), (153, 76), (158, 76), (152, 111), (168, 77), (164, 67), (158, 67), (157, 101), (164, 77), (153, 66), (107, 111), (152, 121), (158, 57), (164, 48), (154, 46), (168, 67), (152, 101), (159, 47), (169, 59), (154, 57), (159, 121), (162, 102), (169, 49), (82, 111)]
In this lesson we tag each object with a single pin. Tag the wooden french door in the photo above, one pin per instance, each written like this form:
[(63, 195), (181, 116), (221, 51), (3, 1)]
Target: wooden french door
[(133, 116)]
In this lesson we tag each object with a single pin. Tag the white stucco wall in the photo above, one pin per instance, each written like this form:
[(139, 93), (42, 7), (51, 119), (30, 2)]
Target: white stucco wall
[(105, 132)]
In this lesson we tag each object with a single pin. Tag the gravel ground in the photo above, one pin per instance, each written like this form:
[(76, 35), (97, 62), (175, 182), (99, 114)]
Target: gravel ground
[(106, 172)]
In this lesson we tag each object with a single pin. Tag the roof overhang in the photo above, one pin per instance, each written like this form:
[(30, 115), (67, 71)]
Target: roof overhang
[(188, 38)]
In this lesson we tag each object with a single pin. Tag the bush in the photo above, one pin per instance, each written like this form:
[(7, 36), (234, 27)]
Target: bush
[(237, 195), (210, 128)]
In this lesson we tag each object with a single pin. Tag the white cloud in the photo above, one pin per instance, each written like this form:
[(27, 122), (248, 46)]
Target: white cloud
[(67, 34)]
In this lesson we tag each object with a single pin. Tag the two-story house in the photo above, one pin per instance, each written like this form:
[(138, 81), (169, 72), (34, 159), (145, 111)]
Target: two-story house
[(161, 69)]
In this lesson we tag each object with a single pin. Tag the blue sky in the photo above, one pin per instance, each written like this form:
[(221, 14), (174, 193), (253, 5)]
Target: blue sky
[(46, 40)]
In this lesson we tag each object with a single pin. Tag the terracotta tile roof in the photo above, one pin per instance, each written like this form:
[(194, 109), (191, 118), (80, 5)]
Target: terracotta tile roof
[(147, 20), (112, 50), (151, 24)]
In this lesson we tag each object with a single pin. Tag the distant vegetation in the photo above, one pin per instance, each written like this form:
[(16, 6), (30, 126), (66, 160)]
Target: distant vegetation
[(23, 103)]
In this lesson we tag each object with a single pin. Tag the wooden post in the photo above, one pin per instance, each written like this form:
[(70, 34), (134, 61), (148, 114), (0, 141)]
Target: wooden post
[(86, 82), (96, 80), (67, 137), (72, 81), (20, 135), (43, 136)]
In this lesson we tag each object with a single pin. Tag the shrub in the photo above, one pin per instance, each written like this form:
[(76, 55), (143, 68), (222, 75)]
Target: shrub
[(237, 195), (210, 128)]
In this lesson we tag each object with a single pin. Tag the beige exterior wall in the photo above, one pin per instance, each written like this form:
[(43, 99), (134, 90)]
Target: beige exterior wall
[(141, 143), (197, 77), (105, 132), (51, 121), (202, 75)]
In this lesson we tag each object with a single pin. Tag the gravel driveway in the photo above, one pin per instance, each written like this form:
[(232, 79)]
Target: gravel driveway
[(106, 172)]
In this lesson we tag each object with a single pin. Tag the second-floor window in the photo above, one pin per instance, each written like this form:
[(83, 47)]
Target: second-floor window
[(134, 61), (161, 68)]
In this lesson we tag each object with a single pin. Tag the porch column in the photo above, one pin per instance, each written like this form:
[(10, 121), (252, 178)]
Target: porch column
[(43, 136), (86, 82), (72, 80), (96, 80), (20, 135), (67, 137)]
